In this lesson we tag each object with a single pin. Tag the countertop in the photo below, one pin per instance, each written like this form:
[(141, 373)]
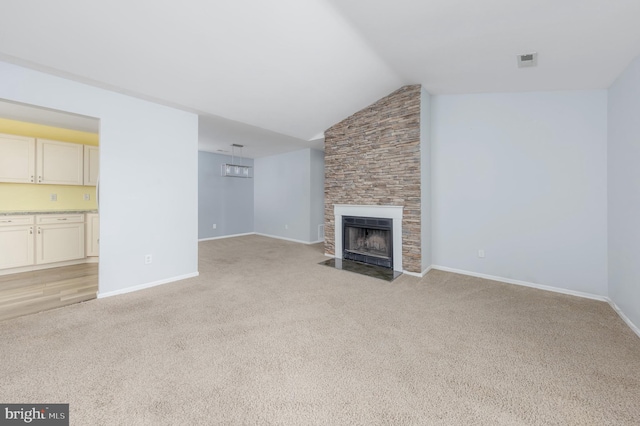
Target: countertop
[(28, 212)]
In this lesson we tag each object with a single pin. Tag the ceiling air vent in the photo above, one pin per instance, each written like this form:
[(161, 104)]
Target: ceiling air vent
[(528, 60)]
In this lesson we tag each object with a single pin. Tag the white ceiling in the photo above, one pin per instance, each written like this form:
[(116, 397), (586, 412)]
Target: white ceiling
[(218, 134), (470, 46), (256, 71)]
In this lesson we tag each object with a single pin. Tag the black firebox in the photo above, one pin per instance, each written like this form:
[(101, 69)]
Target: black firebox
[(368, 240)]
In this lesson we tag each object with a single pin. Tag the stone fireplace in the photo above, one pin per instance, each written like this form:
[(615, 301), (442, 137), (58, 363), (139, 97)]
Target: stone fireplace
[(376, 166)]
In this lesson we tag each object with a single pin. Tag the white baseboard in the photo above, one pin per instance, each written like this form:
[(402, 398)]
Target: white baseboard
[(286, 239), (330, 255), (262, 235), (226, 236), (613, 305), (522, 283), (147, 285), (626, 319)]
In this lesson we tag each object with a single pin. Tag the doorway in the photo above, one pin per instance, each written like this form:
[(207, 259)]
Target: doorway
[(49, 217)]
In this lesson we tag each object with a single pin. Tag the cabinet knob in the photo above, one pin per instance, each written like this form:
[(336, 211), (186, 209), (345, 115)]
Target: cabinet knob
[(60, 218)]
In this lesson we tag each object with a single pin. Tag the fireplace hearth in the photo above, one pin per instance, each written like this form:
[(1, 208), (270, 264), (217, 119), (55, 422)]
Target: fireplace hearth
[(368, 240)]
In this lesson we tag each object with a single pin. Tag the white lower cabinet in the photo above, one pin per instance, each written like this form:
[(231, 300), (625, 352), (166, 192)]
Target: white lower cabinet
[(93, 235), (59, 238), (28, 240), (16, 241)]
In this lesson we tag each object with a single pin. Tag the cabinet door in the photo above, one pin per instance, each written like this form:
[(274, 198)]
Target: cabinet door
[(16, 246), (17, 159), (59, 163), (93, 235), (91, 165), (57, 243)]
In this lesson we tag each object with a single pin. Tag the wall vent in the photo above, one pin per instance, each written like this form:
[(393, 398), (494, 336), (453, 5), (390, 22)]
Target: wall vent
[(527, 60)]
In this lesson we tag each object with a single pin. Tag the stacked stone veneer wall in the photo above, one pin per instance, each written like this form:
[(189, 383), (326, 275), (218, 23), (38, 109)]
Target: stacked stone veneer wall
[(373, 158)]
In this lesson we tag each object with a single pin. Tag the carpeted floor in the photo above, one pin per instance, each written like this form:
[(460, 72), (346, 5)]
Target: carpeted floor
[(265, 335)]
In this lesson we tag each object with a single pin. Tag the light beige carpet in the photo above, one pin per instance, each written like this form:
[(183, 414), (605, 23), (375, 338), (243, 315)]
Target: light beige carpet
[(265, 335)]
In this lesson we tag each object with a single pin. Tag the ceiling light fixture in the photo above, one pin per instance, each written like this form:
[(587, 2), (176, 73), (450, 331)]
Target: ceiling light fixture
[(236, 170)]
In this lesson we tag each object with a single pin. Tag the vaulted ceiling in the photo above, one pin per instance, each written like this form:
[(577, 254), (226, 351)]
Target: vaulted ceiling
[(255, 70)]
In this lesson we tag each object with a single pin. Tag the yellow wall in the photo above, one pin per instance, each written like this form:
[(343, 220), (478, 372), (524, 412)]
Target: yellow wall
[(29, 196)]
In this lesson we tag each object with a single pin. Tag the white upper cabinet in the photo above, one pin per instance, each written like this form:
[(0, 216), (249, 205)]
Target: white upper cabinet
[(91, 165), (17, 159), (30, 160), (59, 163)]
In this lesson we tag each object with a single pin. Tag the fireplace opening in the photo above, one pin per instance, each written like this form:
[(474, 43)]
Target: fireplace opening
[(368, 240)]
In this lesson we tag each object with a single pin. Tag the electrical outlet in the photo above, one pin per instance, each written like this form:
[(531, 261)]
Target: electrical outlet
[(87, 197), (215, 226), (286, 227), (53, 197), (481, 253), (148, 259)]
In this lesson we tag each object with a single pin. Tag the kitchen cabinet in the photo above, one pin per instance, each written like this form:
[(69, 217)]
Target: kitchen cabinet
[(91, 165), (93, 235), (59, 163), (29, 160), (17, 159), (16, 241), (59, 237)]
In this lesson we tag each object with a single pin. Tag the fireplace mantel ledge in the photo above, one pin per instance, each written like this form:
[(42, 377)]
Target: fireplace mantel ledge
[(391, 212)]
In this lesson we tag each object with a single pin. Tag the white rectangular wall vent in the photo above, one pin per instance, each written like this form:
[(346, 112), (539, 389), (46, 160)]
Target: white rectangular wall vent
[(528, 60)]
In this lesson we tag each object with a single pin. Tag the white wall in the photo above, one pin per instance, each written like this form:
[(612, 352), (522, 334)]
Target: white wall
[(624, 192), (225, 201), (288, 201), (148, 177), (522, 176), (425, 179)]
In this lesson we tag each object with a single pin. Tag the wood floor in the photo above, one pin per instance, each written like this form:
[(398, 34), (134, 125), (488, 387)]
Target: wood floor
[(31, 292)]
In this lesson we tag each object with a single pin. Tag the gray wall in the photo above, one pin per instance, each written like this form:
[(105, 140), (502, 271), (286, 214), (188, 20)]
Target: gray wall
[(284, 187), (425, 178), (624, 192), (523, 176), (225, 201), (317, 194)]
